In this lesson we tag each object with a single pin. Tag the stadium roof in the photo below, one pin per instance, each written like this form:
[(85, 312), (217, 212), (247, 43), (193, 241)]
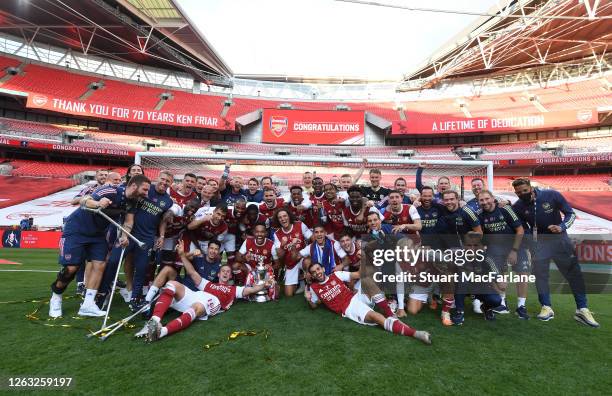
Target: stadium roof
[(522, 34), (147, 32)]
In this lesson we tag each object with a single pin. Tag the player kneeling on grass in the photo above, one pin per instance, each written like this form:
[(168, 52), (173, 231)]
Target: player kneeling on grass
[(331, 291), (209, 300), (256, 250), (485, 292)]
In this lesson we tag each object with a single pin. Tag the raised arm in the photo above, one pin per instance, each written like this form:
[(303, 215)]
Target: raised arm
[(180, 249), (359, 173), (224, 176), (419, 176)]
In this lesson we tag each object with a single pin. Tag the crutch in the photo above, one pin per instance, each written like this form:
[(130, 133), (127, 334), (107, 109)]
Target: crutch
[(112, 293), (123, 322), (120, 323), (140, 244)]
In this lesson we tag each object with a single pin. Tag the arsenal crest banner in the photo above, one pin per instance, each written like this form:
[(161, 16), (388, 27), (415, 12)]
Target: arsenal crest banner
[(313, 127)]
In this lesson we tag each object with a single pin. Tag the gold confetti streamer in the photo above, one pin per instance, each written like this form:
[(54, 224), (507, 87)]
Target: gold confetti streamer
[(239, 333), (34, 318)]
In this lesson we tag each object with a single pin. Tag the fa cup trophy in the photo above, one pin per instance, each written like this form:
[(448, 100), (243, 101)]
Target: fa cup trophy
[(261, 274)]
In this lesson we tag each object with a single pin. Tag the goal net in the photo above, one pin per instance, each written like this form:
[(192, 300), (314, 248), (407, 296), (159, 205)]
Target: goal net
[(288, 170)]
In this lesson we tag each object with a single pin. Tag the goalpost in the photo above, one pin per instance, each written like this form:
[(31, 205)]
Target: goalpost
[(287, 170)]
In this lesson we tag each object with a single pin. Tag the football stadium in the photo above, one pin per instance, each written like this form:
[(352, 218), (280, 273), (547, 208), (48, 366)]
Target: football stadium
[(393, 197)]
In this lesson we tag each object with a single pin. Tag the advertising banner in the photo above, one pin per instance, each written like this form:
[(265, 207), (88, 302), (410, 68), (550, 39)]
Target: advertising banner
[(422, 123), (32, 144), (127, 114), (313, 127), (568, 159)]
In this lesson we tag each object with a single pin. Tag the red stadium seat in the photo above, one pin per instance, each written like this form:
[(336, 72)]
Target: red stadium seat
[(71, 84), (15, 190), (50, 169)]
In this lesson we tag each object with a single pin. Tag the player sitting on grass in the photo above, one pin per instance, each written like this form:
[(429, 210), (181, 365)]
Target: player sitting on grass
[(331, 291), (209, 300), (207, 266), (485, 292)]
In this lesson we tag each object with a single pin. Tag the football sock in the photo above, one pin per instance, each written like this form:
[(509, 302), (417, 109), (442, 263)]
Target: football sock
[(396, 326), (521, 301), (180, 323), (381, 302), (151, 293), (90, 295), (164, 301), (447, 304)]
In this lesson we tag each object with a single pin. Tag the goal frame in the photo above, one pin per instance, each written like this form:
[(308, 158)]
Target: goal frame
[(332, 159)]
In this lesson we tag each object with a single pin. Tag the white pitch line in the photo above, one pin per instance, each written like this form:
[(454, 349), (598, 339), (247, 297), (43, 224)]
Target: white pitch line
[(31, 270)]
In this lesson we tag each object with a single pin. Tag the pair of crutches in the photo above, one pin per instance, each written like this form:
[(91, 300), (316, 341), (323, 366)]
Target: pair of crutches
[(141, 245)]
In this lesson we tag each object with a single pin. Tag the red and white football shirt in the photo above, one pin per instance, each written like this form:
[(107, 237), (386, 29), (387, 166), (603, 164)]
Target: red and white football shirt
[(181, 199), (333, 292), (282, 239)]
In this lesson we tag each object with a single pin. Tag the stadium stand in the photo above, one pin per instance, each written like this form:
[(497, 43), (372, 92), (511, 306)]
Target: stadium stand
[(68, 84), (47, 80), (48, 169), (30, 128), (8, 62), (510, 147), (15, 189), (597, 203), (576, 182), (123, 94)]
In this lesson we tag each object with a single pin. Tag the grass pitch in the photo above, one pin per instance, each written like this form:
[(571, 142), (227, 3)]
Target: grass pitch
[(306, 352)]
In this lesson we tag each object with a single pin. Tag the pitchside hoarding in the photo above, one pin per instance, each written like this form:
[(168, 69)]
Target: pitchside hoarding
[(313, 127), (422, 123)]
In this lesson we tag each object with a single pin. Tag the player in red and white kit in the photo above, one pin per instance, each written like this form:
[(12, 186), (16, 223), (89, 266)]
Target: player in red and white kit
[(335, 295), (251, 218), (404, 217), (270, 203), (349, 252), (209, 300), (299, 206), (332, 209), (177, 220), (355, 213), (255, 250), (185, 191), (290, 237), (233, 219), (208, 227)]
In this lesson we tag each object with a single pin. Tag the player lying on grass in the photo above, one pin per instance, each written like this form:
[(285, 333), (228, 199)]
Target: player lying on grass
[(209, 300), (335, 295)]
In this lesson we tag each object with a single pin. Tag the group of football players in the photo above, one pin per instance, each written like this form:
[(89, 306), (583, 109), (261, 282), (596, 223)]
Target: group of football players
[(317, 239)]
